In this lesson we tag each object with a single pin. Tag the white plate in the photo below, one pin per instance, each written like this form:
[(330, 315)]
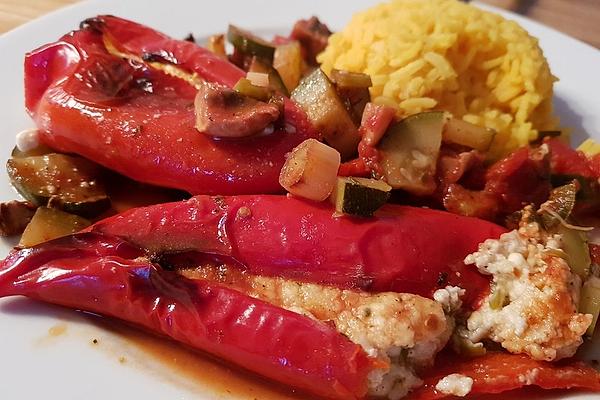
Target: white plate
[(34, 363)]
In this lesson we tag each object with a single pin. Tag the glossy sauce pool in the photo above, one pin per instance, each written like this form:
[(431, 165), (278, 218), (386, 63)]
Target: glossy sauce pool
[(208, 376), (200, 372)]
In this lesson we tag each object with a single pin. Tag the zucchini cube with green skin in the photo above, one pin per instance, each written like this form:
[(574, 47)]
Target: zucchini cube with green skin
[(409, 151), (37, 151), (250, 44), (50, 223), (317, 96), (353, 89), (276, 84), (360, 196), (66, 182)]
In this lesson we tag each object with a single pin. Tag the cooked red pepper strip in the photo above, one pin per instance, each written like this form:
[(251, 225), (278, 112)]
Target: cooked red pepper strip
[(404, 249), (498, 372), (137, 120), (565, 160), (105, 275)]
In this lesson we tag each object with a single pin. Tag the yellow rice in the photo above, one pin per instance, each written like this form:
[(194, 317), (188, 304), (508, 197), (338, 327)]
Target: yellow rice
[(444, 54)]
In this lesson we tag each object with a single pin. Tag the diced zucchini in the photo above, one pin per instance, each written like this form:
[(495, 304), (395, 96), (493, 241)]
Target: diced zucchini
[(353, 89), (317, 96), (216, 44), (245, 87), (409, 151), (360, 196), (66, 182), (589, 302), (250, 44), (466, 134), (347, 79), (288, 62), (560, 202), (50, 223), (575, 244), (40, 150), (275, 82)]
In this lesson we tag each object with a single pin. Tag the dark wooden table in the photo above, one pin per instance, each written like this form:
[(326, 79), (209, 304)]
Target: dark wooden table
[(578, 18)]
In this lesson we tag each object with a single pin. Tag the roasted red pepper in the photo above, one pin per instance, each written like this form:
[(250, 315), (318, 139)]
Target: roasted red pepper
[(403, 249), (498, 372), (565, 160), (132, 117), (113, 270), (106, 275)]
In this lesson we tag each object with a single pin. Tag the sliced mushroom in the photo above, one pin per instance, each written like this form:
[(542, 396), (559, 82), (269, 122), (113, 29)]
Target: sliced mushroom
[(223, 112)]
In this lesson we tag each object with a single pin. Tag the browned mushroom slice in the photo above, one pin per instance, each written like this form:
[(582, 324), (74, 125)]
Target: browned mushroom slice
[(14, 216), (223, 112)]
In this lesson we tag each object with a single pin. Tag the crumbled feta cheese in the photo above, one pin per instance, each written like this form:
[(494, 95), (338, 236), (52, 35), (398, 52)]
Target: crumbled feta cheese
[(393, 383), (455, 385), (537, 313), (27, 140), (404, 331), (529, 377), (449, 298)]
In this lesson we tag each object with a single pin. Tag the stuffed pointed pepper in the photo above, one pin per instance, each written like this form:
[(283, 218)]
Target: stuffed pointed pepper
[(351, 321), (122, 95)]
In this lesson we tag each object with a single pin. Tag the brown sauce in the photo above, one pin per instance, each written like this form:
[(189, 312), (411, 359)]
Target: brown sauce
[(200, 371), (203, 373)]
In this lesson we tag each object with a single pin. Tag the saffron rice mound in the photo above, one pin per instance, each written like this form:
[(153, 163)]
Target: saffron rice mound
[(448, 55)]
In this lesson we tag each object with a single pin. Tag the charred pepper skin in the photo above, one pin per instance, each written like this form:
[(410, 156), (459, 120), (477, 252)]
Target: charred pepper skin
[(108, 276), (402, 249), (139, 121)]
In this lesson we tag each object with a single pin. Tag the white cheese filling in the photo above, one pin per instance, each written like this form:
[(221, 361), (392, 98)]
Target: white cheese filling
[(533, 305)]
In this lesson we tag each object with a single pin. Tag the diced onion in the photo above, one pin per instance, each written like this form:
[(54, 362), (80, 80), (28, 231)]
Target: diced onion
[(310, 170), (258, 78)]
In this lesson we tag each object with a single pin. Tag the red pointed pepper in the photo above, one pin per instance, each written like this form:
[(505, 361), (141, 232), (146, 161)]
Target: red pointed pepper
[(108, 276), (99, 272), (403, 249), (137, 120)]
